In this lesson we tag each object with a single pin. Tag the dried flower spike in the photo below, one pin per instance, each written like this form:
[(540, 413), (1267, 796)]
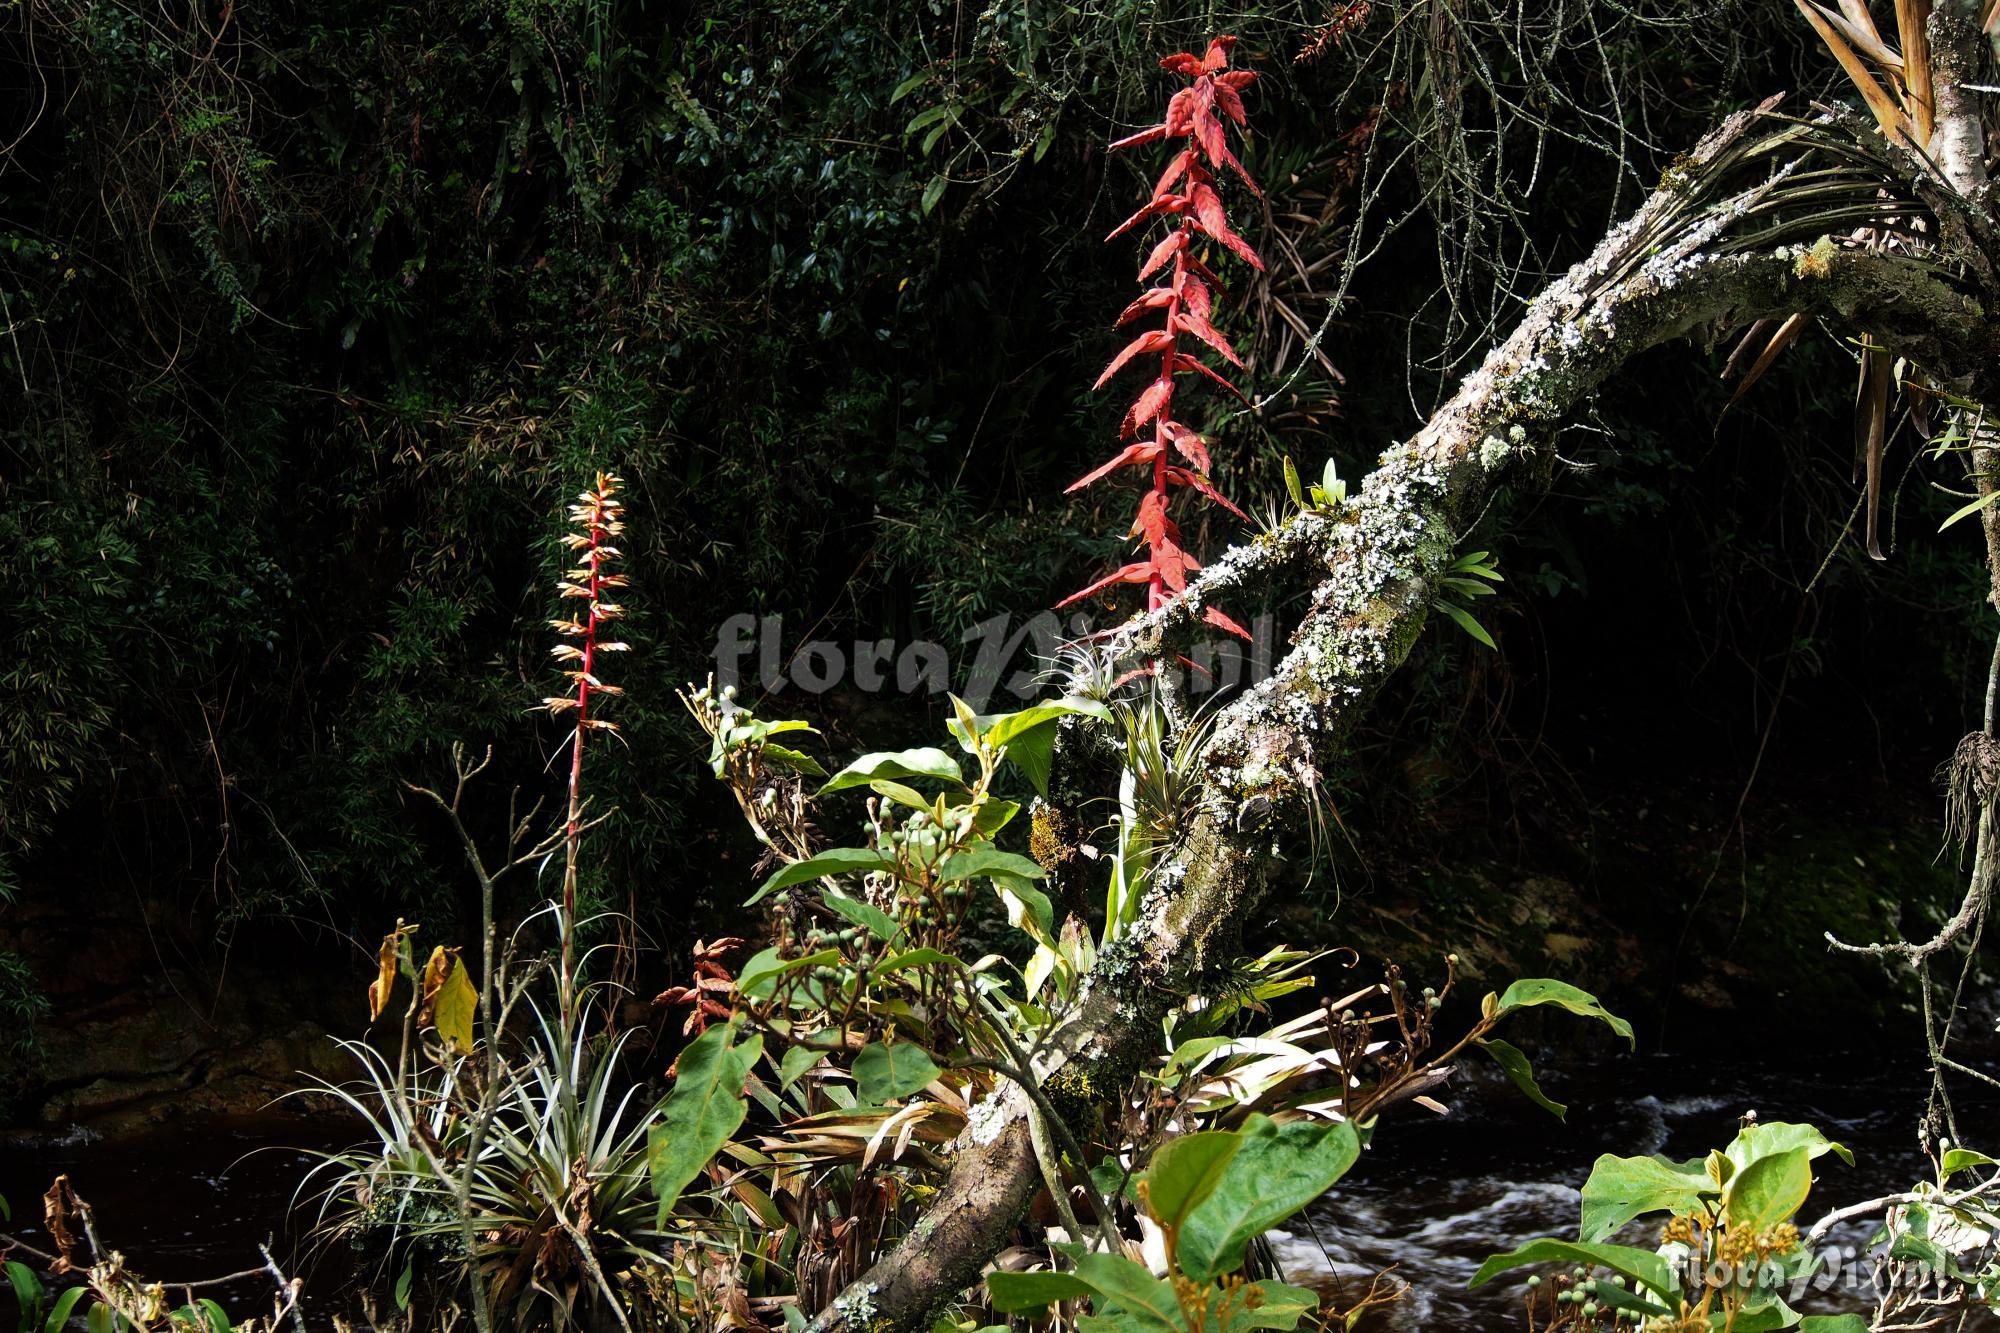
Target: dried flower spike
[(599, 520)]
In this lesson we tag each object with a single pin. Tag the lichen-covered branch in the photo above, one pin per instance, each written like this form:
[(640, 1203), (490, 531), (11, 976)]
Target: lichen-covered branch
[(1375, 563)]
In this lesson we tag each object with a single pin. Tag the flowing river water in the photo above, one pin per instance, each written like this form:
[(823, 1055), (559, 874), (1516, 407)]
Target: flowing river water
[(1431, 1199)]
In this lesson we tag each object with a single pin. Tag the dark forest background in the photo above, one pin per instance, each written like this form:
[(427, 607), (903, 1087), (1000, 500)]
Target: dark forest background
[(315, 316)]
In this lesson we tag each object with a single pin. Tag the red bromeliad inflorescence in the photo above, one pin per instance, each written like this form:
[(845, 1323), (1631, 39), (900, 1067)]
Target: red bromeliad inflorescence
[(1185, 192)]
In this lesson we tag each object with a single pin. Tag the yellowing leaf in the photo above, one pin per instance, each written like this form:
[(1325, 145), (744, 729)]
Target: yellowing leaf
[(386, 960), (449, 999)]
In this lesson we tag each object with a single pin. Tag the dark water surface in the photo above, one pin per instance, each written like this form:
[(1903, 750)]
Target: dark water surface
[(1433, 1197)]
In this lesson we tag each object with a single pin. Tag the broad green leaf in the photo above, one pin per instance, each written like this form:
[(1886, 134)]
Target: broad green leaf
[(66, 1303), (404, 1281), (1034, 753), (1641, 1266), (885, 1072), (1275, 1172), (1190, 1053), (928, 762), (1608, 1293), (759, 976), (998, 729), (1510, 1058), (796, 760), (1833, 1323), (1782, 1136), (1282, 1307), (866, 915), (1185, 1171), (796, 1062), (925, 957), (987, 861), (1017, 1293), (839, 861), (1963, 1159), (1128, 1289), (1769, 1190), (702, 1110), (1622, 1188), (27, 1293), (102, 1318), (1532, 991), (994, 815), (1028, 908)]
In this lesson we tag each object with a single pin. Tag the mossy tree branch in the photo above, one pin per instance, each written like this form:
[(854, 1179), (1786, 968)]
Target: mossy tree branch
[(1375, 566)]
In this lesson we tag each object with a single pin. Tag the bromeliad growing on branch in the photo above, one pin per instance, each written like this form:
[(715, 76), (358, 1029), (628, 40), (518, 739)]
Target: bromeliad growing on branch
[(1185, 192)]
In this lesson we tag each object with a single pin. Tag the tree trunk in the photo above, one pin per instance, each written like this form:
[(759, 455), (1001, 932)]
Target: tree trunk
[(1675, 267)]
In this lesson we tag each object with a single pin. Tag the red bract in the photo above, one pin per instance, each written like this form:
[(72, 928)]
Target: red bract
[(1186, 195)]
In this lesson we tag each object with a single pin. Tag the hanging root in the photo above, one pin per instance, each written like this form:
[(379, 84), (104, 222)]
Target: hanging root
[(1970, 777)]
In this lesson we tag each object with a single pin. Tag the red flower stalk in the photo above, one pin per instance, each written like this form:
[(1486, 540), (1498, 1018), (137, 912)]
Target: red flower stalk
[(1185, 192), (598, 517)]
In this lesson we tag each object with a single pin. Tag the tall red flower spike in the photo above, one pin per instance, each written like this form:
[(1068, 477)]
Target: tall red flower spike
[(1185, 296)]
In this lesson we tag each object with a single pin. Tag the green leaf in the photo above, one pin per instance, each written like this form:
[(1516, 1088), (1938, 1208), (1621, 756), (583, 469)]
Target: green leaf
[(839, 861), (1282, 1306), (925, 957), (403, 1282), (1028, 909), (994, 815), (1190, 1052), (1622, 1188), (1967, 511), (928, 762), (1608, 1293), (1509, 1057), (1963, 1159), (1018, 1293), (1756, 1141), (27, 1293), (1127, 1288), (66, 1302), (885, 1073), (927, 117), (796, 1062), (987, 861), (102, 1318), (1833, 1323), (1275, 1172), (998, 729), (1769, 1190), (1185, 1171), (699, 1114), (932, 193), (796, 760), (866, 915), (1641, 1266), (1532, 991), (1467, 623), (1034, 753), (1292, 486), (759, 976)]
